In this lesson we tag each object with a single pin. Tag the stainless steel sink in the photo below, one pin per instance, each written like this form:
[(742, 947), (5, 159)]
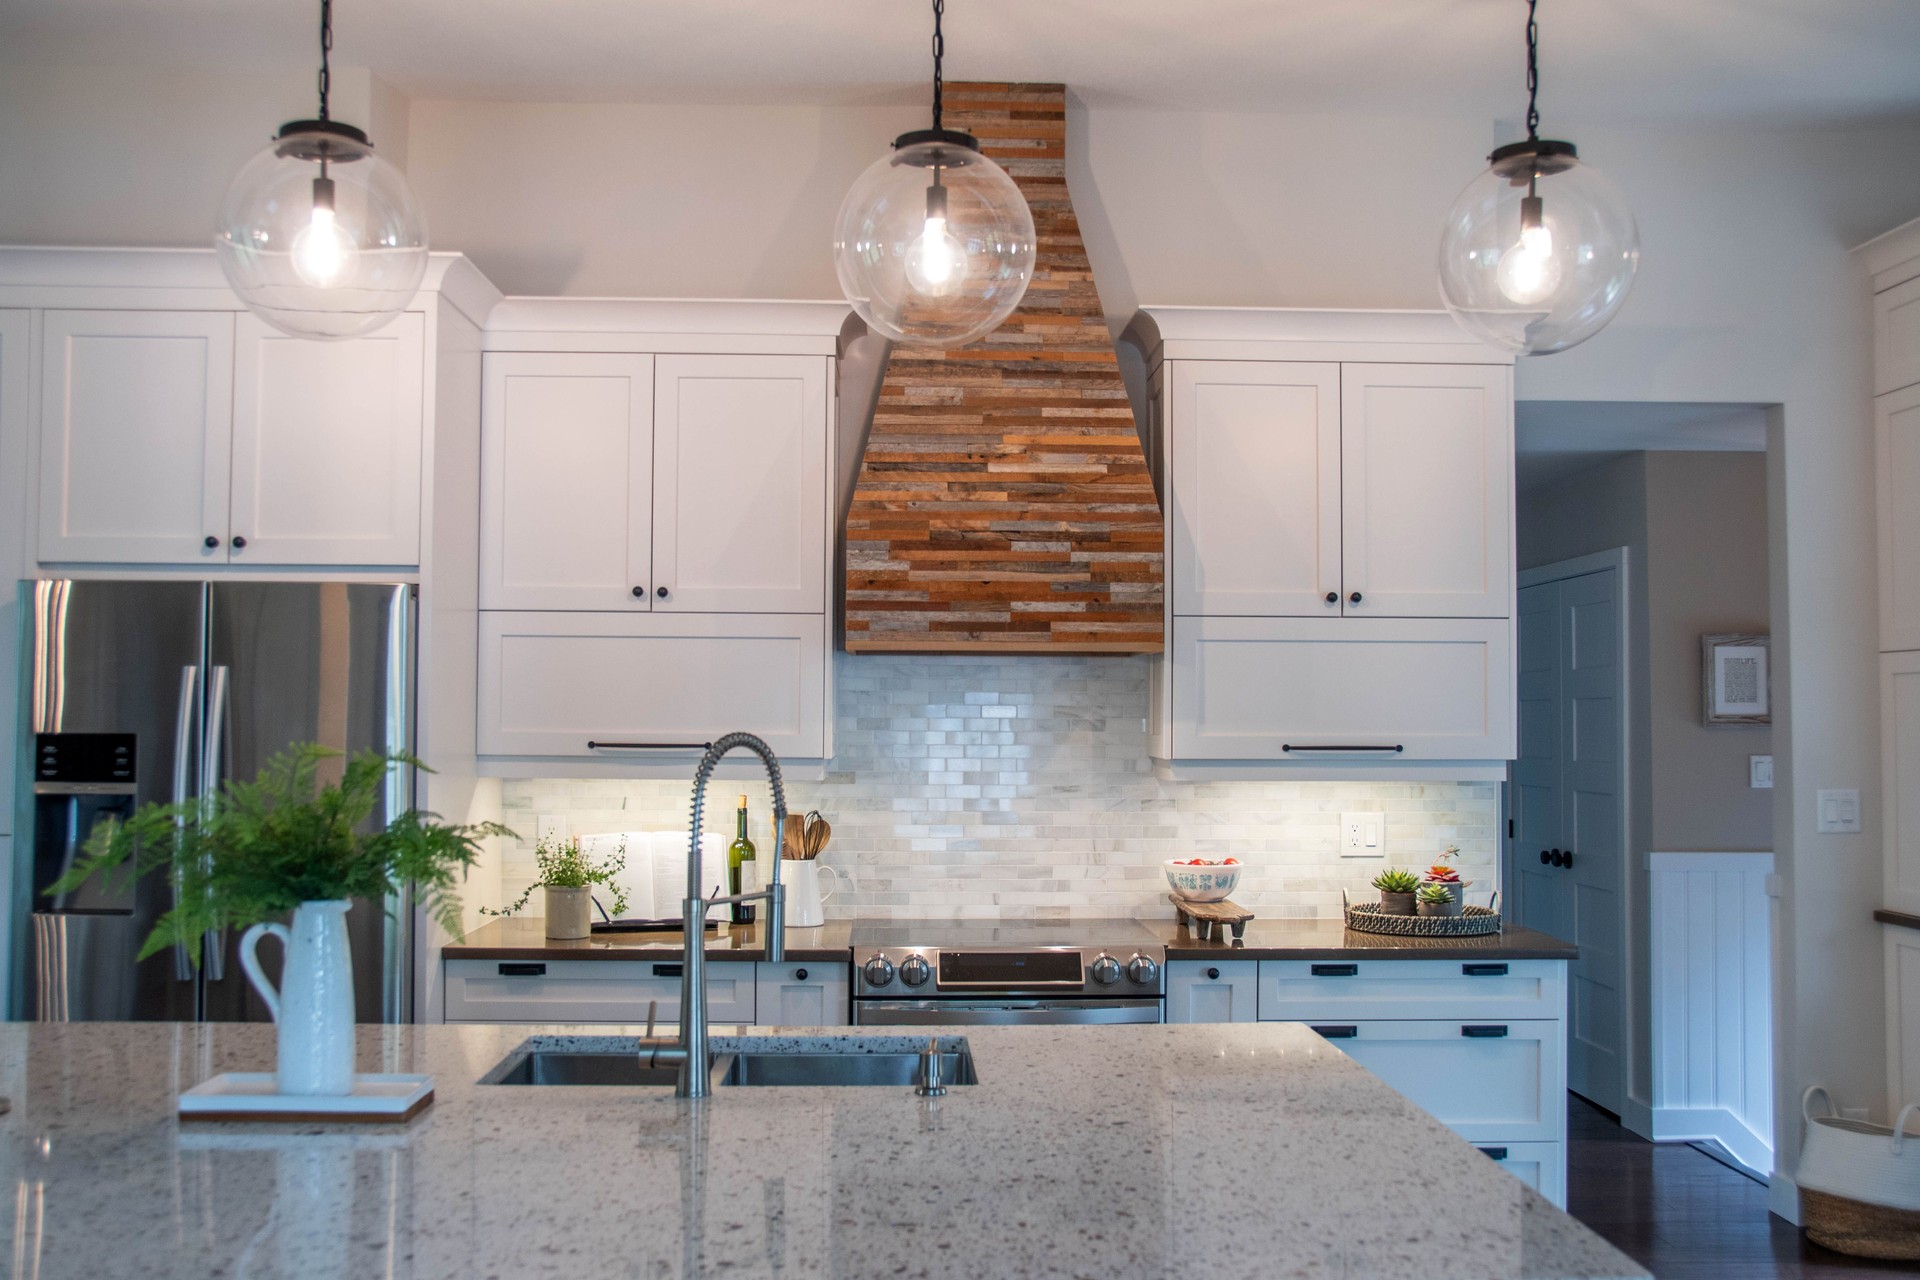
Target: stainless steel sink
[(898, 1069), (742, 1060)]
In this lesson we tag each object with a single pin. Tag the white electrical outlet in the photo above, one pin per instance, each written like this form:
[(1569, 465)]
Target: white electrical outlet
[(1837, 812), (1759, 771), (550, 825), (1363, 835)]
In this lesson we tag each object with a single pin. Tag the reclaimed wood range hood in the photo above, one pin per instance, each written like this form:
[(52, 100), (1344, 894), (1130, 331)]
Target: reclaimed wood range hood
[(1003, 504)]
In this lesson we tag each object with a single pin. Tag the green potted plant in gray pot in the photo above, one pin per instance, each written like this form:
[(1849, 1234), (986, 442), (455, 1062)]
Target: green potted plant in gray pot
[(1397, 887), (1437, 899), (569, 875)]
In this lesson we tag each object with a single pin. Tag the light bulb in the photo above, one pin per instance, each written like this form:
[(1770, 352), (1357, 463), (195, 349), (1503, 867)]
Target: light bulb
[(323, 253), (936, 262), (1528, 273)]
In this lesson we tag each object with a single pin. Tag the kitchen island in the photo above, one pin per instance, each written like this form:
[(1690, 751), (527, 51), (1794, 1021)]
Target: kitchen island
[(1221, 1150)]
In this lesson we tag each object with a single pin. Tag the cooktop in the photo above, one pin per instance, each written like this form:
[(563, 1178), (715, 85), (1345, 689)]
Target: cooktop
[(991, 935)]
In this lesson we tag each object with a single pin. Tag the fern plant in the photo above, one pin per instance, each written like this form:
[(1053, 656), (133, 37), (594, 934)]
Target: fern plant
[(564, 865), (257, 849), (1396, 880)]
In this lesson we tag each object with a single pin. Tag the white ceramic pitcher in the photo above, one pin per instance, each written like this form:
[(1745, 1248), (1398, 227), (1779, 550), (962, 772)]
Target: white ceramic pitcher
[(314, 1005), (806, 904)]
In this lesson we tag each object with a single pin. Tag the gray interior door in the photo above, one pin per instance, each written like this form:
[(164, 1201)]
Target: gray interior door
[(314, 662)]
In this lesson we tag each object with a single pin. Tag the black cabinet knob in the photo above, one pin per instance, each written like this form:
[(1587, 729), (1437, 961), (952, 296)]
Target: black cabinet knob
[(212, 542), (239, 542), (661, 592), (1566, 857), (1354, 598), (640, 593), (1546, 858), (1213, 973), (799, 975), (1333, 597)]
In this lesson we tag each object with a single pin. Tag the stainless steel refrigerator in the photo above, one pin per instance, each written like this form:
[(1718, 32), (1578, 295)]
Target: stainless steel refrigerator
[(143, 691)]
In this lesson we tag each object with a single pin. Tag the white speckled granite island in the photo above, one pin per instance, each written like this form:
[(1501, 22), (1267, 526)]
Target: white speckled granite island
[(1098, 1152)]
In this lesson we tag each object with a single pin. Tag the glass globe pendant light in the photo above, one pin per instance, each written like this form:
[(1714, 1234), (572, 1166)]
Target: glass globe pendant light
[(934, 244), (319, 236), (1540, 250)]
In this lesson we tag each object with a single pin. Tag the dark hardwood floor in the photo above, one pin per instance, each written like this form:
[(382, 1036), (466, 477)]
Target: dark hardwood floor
[(1682, 1214)]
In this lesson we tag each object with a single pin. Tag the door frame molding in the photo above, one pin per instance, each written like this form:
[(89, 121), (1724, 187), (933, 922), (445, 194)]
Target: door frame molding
[(1636, 1110)]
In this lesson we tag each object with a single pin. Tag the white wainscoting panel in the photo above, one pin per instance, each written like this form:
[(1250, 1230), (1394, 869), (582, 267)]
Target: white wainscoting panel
[(1712, 1020)]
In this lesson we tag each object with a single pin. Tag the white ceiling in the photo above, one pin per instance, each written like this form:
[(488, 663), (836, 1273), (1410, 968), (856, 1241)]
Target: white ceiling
[(1777, 60), (1554, 439)]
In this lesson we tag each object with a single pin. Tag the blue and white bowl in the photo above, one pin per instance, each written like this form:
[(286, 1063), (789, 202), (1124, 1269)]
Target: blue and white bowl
[(1201, 884)]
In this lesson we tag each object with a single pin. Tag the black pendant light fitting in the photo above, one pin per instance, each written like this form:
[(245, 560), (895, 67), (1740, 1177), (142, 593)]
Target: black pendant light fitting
[(939, 134)]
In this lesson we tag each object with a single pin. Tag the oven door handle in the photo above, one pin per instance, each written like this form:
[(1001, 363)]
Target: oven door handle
[(979, 1013)]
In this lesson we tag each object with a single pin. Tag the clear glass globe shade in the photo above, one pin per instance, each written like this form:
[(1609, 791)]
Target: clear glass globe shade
[(918, 278), (316, 271), (1546, 288)]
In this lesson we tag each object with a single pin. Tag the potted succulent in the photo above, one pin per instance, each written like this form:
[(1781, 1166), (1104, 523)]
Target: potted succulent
[(569, 874), (1444, 873), (290, 843), (1397, 887), (1435, 899)]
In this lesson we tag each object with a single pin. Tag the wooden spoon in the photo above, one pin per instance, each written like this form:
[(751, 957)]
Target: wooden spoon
[(793, 837)]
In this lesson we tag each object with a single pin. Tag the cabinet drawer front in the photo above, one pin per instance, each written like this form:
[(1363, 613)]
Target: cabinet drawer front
[(550, 683), (1212, 991), (1488, 1081), (1318, 990), (589, 991), (803, 994), (1541, 1165), (1289, 689)]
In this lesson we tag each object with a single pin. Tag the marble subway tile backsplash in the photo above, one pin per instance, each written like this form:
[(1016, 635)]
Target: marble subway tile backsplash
[(1020, 788)]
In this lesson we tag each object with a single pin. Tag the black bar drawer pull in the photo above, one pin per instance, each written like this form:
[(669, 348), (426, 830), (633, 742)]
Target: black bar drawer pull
[(1336, 1033), (1483, 1033), (1494, 1153), (523, 970), (674, 970), (1336, 970), (1484, 970)]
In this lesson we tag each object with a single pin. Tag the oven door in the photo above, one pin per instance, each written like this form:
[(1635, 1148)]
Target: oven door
[(988, 1012)]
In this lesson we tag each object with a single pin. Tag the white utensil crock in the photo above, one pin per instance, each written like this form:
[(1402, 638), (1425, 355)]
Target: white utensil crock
[(806, 904), (314, 1004)]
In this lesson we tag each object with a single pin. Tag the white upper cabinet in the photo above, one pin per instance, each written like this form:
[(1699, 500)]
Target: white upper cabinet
[(1427, 491), (326, 446), (1897, 441), (1896, 337), (740, 484), (136, 421), (566, 481), (1254, 509)]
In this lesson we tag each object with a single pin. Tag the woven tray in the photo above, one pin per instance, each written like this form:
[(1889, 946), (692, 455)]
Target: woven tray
[(1471, 922)]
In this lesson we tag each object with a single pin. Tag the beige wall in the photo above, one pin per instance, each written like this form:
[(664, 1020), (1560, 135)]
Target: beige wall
[(1706, 573)]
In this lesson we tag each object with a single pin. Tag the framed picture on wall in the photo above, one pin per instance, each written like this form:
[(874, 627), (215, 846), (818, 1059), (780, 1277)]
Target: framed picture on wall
[(1733, 680)]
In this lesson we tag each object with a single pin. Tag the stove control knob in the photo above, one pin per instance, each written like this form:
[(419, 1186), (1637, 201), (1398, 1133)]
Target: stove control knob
[(878, 971), (1105, 970), (1142, 970), (914, 971)]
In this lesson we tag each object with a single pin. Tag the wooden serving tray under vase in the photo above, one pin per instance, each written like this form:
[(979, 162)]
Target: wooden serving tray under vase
[(254, 1096)]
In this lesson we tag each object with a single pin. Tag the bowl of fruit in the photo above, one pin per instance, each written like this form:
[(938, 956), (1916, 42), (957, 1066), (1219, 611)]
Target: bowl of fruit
[(1201, 879)]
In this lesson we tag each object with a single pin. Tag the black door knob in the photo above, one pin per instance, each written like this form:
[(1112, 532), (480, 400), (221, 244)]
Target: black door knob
[(1354, 598), (212, 542), (1546, 858), (1333, 597), (239, 543), (640, 593), (661, 592), (1213, 973), (1566, 857), (799, 975)]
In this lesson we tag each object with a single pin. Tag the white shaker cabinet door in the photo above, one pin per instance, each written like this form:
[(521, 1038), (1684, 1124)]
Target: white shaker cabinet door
[(566, 481), (740, 484), (1254, 513), (802, 994), (136, 418), (326, 446), (1213, 990), (1427, 474), (1897, 440)]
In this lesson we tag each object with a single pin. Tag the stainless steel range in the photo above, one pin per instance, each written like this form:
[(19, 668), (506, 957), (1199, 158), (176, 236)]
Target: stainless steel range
[(936, 973)]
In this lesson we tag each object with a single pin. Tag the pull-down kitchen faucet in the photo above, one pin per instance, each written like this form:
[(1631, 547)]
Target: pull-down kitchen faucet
[(691, 1052)]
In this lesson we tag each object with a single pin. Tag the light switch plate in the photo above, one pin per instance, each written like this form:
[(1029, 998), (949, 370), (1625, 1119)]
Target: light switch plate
[(1760, 771), (1837, 812), (1363, 835)]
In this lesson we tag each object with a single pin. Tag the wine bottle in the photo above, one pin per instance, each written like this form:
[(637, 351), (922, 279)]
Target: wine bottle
[(740, 867)]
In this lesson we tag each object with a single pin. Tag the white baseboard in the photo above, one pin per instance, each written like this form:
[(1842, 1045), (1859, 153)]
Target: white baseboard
[(1713, 1124), (1783, 1198)]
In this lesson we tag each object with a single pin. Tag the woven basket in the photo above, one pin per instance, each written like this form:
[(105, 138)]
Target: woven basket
[(1859, 1183), (1472, 922)]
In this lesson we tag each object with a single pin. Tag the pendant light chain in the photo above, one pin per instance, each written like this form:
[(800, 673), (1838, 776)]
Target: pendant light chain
[(326, 49), (939, 53), (1533, 72)]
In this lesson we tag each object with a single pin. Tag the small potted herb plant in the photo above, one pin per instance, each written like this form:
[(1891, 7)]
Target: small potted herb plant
[(569, 874), (1397, 887), (1436, 899)]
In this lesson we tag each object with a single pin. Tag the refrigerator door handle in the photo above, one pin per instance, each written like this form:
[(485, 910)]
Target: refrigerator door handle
[(214, 945), (182, 775)]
